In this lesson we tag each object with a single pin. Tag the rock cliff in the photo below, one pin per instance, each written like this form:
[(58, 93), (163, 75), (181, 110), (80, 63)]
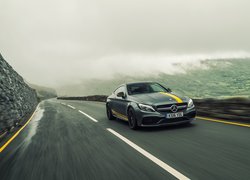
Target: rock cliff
[(17, 99)]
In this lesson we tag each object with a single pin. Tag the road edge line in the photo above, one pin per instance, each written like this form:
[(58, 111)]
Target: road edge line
[(151, 157), (16, 134), (223, 121)]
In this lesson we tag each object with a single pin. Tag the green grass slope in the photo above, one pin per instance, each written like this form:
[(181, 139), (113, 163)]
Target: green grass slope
[(221, 78)]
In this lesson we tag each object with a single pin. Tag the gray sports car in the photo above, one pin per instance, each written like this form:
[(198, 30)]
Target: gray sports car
[(149, 104)]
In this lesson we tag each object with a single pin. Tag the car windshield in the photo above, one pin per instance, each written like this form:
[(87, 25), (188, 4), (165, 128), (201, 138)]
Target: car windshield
[(142, 88)]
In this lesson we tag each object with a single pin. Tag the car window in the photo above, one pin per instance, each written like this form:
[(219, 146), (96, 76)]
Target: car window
[(138, 88), (142, 88), (157, 88), (120, 89)]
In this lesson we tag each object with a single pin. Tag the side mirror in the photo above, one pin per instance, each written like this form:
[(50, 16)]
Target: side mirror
[(121, 94)]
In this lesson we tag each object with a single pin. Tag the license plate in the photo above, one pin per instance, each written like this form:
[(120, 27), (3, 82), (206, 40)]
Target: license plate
[(174, 115)]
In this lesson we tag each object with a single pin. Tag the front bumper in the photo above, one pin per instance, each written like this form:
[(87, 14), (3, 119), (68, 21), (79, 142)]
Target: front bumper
[(151, 119)]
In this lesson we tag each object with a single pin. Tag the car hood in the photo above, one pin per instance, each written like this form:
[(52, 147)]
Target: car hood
[(159, 98)]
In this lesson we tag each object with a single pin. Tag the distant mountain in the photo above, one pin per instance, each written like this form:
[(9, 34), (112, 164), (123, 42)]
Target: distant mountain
[(221, 78), (44, 92)]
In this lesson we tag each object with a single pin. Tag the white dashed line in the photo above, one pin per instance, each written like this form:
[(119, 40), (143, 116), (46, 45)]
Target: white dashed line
[(72, 107), (93, 119), (157, 161)]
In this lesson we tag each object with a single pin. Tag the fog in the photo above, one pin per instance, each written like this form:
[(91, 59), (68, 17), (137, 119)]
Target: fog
[(55, 42)]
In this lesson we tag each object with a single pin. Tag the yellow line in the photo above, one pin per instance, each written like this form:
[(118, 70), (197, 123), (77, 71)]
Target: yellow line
[(15, 135), (225, 122), (176, 98), (120, 115)]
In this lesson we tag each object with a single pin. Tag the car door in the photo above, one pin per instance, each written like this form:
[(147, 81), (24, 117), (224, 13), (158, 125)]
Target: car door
[(115, 100), (120, 103)]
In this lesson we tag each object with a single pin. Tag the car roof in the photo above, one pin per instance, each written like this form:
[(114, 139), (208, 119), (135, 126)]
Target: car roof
[(140, 82)]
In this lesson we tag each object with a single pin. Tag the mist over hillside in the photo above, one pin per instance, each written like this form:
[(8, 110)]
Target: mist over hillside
[(208, 78), (43, 92)]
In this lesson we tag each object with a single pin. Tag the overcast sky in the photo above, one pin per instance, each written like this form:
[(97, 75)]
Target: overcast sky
[(51, 42)]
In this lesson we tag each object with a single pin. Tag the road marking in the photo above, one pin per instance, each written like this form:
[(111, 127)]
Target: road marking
[(72, 107), (63, 104), (157, 161), (15, 135), (93, 119), (224, 122)]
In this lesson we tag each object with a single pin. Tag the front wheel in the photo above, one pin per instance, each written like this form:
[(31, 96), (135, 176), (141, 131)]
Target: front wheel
[(109, 113), (132, 119)]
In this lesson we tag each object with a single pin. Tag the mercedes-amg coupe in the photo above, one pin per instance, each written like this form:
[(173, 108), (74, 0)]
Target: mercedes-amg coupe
[(149, 104)]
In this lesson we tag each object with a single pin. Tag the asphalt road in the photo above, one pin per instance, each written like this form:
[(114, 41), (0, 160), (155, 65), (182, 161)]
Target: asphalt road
[(62, 143)]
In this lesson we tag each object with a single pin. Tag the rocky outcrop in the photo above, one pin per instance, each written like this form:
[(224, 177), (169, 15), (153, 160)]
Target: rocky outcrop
[(17, 99), (234, 109)]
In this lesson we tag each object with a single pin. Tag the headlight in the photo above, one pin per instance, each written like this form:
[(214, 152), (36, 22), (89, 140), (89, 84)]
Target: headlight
[(145, 107), (190, 103)]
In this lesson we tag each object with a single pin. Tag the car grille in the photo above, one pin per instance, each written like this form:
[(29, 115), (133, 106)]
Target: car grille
[(176, 120), (167, 107), (159, 121), (150, 120)]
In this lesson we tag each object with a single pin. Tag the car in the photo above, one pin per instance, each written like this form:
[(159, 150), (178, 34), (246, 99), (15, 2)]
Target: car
[(149, 104)]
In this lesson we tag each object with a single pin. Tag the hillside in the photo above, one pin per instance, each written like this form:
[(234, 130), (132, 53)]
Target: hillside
[(44, 92), (220, 78)]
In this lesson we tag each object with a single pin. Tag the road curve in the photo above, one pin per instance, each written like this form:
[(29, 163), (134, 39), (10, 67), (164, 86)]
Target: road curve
[(74, 140)]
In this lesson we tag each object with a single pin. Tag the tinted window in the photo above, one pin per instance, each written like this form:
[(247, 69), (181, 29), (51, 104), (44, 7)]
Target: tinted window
[(142, 88), (157, 87)]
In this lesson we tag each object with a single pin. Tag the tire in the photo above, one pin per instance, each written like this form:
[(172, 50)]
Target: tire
[(109, 113), (132, 119)]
